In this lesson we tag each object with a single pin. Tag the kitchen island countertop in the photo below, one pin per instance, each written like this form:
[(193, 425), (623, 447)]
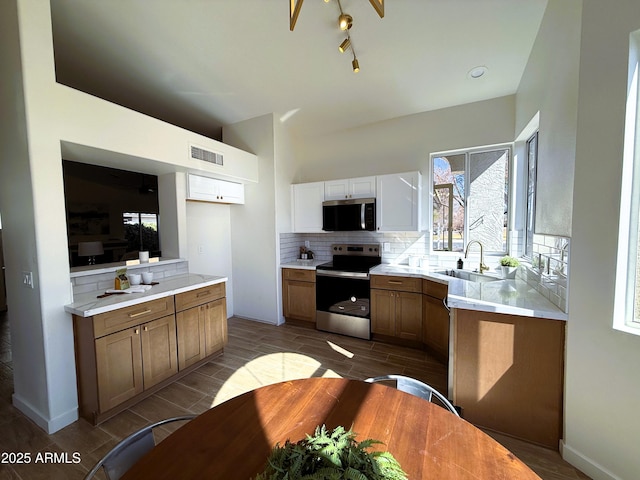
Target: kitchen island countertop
[(88, 305)]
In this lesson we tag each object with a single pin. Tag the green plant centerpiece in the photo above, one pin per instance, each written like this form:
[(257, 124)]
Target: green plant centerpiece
[(508, 261), (330, 455)]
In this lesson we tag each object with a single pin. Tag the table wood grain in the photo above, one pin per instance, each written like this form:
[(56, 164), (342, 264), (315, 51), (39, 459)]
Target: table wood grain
[(233, 439)]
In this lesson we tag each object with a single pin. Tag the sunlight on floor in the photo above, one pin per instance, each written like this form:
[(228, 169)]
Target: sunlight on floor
[(340, 350), (272, 368)]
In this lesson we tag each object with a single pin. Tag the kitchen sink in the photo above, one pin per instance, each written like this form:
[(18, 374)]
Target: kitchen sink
[(470, 276)]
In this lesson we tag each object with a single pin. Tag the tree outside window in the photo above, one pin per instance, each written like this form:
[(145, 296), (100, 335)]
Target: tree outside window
[(141, 232)]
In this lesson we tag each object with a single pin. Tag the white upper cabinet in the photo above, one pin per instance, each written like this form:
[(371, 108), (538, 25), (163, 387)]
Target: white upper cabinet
[(363, 187), (306, 207), (207, 189), (398, 202)]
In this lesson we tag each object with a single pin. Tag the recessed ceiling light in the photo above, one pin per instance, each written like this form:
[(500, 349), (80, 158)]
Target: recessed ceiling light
[(477, 72)]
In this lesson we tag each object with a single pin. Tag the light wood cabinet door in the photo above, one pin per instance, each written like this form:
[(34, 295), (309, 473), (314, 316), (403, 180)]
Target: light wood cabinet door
[(396, 314), (118, 367), (408, 315), (299, 294), (299, 300), (201, 331), (383, 316), (436, 327), (159, 350), (190, 334), (215, 326)]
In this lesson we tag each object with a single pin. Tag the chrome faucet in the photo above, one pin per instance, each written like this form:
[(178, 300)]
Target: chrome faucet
[(483, 267)]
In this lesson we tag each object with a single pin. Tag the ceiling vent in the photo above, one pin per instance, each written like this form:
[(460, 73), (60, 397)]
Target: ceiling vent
[(198, 153)]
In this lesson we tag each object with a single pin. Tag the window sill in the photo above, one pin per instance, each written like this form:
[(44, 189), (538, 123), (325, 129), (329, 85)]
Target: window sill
[(626, 328)]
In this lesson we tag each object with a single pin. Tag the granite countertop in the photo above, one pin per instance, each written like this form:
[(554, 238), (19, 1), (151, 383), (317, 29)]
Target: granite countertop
[(87, 304), (514, 297)]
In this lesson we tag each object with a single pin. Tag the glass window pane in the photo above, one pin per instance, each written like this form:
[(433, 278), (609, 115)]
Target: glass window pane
[(488, 197), (141, 232), (448, 203), (532, 158)]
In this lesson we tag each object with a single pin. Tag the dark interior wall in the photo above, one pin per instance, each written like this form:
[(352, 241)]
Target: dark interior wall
[(96, 198)]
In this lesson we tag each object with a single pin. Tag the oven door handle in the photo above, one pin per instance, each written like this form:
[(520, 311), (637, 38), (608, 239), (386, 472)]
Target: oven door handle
[(330, 273), (362, 224)]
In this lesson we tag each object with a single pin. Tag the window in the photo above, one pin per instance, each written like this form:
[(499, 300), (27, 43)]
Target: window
[(532, 162), (627, 300), (141, 232), (470, 199)]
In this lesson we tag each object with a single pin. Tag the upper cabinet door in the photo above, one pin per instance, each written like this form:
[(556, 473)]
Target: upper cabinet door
[(306, 207), (207, 189), (398, 202), (363, 187)]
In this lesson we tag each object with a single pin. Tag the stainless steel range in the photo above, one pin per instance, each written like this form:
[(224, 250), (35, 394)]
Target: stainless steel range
[(343, 290)]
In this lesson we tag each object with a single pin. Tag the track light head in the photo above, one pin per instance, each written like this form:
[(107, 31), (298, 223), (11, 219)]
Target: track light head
[(344, 45), (355, 65), (345, 21)]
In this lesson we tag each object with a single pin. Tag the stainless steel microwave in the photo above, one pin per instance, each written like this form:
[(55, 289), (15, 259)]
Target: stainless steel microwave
[(349, 215)]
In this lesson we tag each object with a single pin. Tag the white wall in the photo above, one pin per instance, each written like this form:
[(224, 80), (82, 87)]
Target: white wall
[(19, 235), (550, 86), (209, 242), (43, 118), (253, 235), (602, 423), (405, 143)]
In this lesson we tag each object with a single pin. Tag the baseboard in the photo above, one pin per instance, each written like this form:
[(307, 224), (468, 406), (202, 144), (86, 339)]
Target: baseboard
[(585, 464), (49, 425)]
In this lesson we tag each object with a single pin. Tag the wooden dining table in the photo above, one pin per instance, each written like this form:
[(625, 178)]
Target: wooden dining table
[(232, 440)]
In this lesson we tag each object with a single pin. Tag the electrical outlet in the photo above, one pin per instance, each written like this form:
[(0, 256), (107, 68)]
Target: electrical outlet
[(307, 243), (27, 279), (386, 247), (200, 249)]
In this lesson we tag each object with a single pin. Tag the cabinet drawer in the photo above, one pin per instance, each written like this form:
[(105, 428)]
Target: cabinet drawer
[(302, 275), (403, 284), (200, 296), (435, 289), (127, 317)]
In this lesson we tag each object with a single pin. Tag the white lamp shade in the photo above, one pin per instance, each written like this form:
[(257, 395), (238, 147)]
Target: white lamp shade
[(89, 249)]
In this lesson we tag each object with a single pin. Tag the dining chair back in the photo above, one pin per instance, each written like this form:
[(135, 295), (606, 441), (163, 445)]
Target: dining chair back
[(122, 457), (417, 388)]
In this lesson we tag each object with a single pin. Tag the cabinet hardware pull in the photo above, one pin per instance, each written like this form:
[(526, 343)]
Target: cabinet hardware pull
[(136, 331), (444, 302), (395, 282), (146, 329), (203, 294), (144, 312)]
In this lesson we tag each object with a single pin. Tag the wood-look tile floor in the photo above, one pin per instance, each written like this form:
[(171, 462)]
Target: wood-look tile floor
[(257, 354)]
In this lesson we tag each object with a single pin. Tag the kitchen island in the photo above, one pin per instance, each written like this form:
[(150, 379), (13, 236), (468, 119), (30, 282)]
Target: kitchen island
[(130, 345)]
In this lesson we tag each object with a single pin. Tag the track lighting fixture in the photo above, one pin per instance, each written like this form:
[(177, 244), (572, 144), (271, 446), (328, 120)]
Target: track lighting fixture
[(344, 45), (296, 5), (345, 21)]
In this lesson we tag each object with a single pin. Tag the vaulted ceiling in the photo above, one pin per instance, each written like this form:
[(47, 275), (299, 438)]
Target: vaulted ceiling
[(201, 64)]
